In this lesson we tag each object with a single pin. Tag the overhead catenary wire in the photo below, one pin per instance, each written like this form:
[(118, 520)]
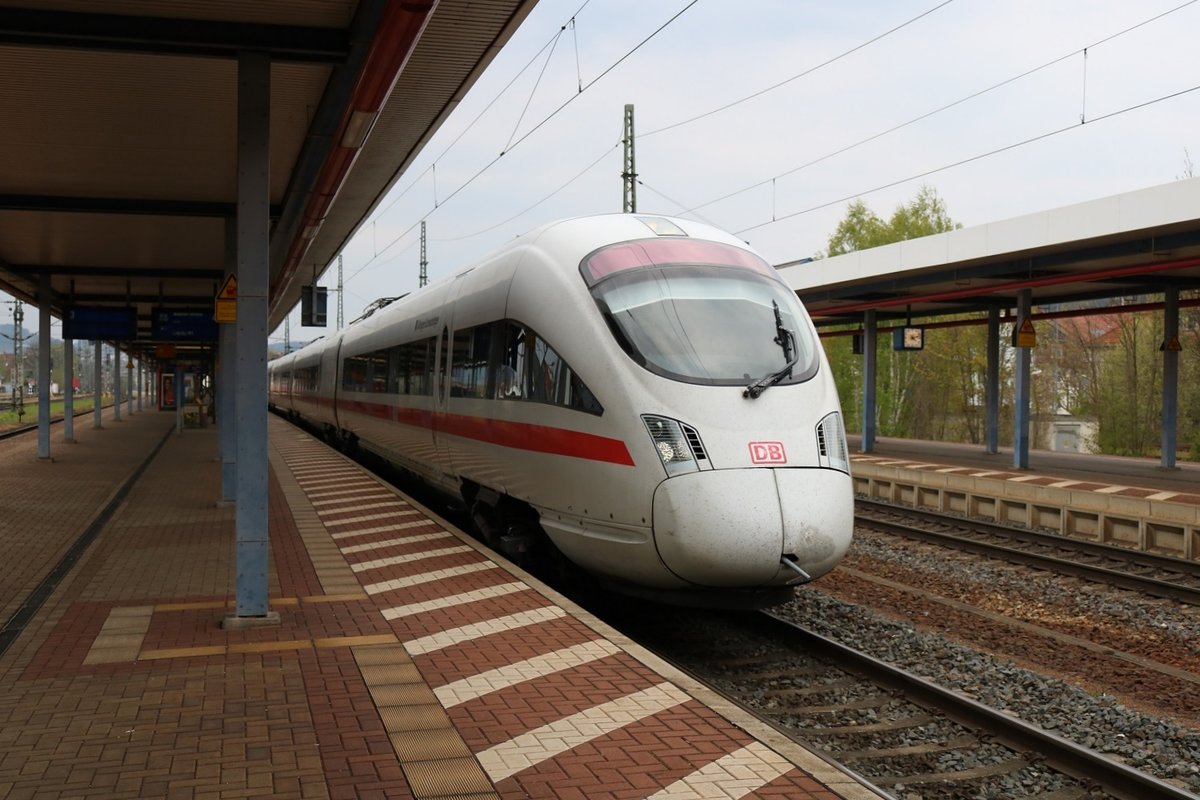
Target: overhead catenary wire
[(775, 178), (536, 127), (940, 109), (470, 125), (799, 75), (1072, 127)]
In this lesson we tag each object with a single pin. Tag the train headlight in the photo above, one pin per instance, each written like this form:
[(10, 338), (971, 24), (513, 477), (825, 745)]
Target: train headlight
[(671, 444), (831, 443)]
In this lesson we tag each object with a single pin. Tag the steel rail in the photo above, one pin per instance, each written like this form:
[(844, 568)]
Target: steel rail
[(1124, 580), (1066, 756)]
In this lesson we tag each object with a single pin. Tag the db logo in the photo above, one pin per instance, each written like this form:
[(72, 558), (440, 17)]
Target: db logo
[(767, 453)]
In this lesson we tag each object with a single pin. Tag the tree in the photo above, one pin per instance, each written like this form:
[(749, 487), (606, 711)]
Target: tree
[(912, 393)]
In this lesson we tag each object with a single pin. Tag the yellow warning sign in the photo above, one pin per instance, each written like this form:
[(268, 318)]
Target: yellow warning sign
[(226, 301), (228, 290), (1025, 335), (1172, 346)]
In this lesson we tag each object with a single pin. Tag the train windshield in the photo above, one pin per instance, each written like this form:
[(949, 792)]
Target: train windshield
[(703, 313)]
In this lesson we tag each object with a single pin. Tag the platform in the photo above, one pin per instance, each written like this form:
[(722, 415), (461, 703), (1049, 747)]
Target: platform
[(408, 663), (1129, 502)]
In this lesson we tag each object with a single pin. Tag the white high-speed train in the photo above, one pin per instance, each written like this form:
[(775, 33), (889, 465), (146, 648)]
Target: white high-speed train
[(642, 395)]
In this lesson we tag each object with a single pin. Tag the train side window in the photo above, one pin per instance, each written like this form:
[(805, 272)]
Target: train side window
[(414, 367), (354, 373), (305, 380), (511, 370), (544, 376), (377, 371), (469, 362)]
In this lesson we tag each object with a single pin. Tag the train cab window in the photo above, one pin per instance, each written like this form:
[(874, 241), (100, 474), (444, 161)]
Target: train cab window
[(700, 312)]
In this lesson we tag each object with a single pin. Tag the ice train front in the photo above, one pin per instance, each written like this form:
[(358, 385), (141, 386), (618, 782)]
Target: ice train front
[(740, 408)]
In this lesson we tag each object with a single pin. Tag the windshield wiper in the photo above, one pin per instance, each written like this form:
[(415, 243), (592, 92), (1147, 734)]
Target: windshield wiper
[(785, 339)]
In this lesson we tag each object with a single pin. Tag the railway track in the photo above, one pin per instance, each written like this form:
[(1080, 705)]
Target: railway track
[(905, 734), (1147, 573)]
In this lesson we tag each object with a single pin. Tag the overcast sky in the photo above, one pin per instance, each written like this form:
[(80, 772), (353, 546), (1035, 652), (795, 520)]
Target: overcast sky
[(891, 63)]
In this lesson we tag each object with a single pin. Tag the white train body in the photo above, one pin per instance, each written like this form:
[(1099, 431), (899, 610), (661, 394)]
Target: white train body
[(594, 373)]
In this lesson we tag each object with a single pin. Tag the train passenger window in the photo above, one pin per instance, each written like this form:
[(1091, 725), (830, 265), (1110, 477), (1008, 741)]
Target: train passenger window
[(377, 371), (354, 374), (469, 362), (414, 367), (531, 369), (306, 379)]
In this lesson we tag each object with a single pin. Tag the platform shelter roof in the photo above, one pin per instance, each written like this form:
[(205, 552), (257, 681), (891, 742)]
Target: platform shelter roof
[(1126, 245), (119, 134)]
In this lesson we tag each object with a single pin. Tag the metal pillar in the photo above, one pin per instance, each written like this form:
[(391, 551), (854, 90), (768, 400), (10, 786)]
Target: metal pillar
[(1170, 396), (1021, 400), (68, 391), (867, 444), (225, 382), (129, 381), (44, 366), (141, 382), (178, 399), (116, 384), (992, 389), (98, 389), (250, 383)]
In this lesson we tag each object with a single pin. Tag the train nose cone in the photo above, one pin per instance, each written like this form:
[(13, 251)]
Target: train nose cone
[(730, 528)]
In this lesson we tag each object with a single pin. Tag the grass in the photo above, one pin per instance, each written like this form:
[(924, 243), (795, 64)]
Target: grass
[(9, 418)]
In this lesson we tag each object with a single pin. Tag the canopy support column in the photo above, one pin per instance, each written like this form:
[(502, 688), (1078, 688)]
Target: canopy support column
[(867, 445), (1021, 400), (250, 382), (992, 390), (1170, 396), (44, 366)]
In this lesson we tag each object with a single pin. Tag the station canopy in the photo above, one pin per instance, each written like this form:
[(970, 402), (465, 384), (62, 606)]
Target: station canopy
[(119, 135), (1127, 245)]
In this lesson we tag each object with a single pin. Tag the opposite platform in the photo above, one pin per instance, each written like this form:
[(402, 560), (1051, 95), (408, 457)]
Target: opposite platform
[(408, 663)]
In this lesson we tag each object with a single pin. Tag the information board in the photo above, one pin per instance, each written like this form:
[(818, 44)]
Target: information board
[(98, 322)]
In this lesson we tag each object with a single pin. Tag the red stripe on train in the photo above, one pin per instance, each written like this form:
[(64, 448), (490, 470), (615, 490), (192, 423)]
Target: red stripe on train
[(505, 433)]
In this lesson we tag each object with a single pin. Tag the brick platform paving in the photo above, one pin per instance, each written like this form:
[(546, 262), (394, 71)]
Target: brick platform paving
[(407, 663)]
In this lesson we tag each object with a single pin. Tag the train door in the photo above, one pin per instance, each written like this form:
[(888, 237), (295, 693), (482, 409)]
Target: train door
[(441, 396)]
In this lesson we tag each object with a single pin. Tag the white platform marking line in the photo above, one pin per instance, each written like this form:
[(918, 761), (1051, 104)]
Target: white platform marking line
[(1162, 496), (472, 596), (324, 479), (395, 526), (348, 500), (477, 630), (325, 493), (541, 744), (379, 515), (323, 471), (732, 776), (461, 691), (408, 558), (392, 503), (382, 543), (1110, 489), (427, 577)]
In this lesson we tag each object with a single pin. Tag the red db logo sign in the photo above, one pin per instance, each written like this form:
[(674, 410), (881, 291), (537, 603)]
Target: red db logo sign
[(767, 453)]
